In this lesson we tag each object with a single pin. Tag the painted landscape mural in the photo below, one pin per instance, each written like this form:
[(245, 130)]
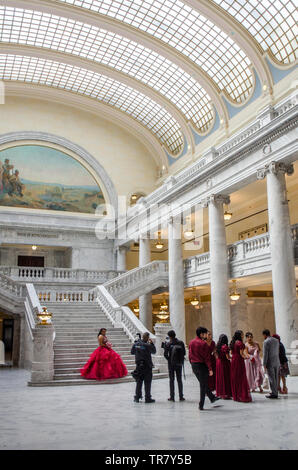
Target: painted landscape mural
[(40, 177)]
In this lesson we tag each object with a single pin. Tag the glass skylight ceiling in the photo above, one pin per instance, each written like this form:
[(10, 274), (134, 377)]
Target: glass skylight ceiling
[(65, 35), (188, 32), (85, 82), (273, 23)]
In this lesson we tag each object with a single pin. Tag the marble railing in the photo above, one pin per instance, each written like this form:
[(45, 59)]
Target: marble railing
[(64, 295), (115, 293), (138, 281), (32, 308), (11, 287), (246, 257), (121, 317), (37, 275)]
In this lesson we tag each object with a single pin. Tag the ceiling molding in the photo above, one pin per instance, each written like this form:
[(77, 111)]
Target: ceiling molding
[(75, 61), (90, 105), (101, 21)]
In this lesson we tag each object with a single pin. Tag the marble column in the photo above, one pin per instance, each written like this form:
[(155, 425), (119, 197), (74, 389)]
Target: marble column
[(282, 252), (145, 301), (220, 300), (121, 258), (176, 278)]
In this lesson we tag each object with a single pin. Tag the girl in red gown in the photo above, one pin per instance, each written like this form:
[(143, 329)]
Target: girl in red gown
[(104, 363), (212, 349), (239, 383), (223, 369)]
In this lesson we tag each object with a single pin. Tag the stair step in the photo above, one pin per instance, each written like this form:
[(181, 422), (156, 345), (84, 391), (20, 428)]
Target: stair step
[(64, 358), (60, 383), (87, 350), (76, 365), (75, 372)]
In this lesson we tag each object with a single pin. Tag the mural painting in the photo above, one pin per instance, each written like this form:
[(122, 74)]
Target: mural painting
[(39, 177)]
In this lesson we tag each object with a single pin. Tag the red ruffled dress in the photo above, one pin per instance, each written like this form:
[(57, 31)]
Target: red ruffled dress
[(239, 383), (223, 374), (104, 363)]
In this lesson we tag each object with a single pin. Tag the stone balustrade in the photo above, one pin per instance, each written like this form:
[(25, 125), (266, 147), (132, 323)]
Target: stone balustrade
[(247, 257), (53, 275)]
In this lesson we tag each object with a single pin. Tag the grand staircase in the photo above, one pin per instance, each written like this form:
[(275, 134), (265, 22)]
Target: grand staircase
[(77, 326)]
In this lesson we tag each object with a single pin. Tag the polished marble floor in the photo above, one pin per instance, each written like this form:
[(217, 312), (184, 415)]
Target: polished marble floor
[(105, 417)]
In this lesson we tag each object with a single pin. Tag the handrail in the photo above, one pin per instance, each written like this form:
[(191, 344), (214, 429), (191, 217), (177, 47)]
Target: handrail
[(119, 316)]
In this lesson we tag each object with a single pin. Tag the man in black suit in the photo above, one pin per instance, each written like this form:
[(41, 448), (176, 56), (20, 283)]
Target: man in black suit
[(142, 349), (174, 352)]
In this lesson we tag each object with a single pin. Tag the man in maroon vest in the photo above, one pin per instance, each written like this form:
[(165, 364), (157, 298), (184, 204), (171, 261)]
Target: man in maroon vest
[(199, 357)]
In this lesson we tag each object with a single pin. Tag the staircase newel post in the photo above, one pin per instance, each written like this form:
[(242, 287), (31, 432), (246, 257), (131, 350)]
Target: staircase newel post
[(43, 354)]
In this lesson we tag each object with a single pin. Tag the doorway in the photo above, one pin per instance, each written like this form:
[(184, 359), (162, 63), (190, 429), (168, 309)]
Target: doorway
[(31, 261)]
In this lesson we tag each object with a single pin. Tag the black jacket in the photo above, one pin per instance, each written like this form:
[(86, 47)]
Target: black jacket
[(168, 347), (143, 352)]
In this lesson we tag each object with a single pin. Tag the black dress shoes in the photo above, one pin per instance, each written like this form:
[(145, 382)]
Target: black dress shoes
[(171, 399), (182, 399), (271, 396), (150, 400), (136, 400), (215, 399)]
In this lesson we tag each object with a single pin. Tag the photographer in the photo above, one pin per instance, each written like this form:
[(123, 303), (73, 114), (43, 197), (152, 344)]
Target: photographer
[(174, 352), (142, 349)]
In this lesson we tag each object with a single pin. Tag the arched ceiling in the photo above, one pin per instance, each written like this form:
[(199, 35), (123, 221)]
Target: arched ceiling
[(165, 63)]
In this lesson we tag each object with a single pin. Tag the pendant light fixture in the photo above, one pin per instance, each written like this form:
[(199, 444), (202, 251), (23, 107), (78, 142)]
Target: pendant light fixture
[(234, 295), (159, 245)]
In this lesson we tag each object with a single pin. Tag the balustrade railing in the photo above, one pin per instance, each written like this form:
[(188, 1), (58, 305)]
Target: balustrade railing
[(121, 317), (57, 296), (35, 274), (11, 287)]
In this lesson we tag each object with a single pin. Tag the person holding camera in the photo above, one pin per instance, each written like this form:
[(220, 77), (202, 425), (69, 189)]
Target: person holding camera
[(143, 349), (174, 352)]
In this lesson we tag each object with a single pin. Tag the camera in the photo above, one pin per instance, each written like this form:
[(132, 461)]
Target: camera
[(137, 337), (164, 343)]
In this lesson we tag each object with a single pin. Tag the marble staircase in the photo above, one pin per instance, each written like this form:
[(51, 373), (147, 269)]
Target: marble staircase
[(76, 329)]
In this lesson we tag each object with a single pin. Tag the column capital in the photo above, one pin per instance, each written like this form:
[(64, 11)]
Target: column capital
[(215, 199), (274, 168)]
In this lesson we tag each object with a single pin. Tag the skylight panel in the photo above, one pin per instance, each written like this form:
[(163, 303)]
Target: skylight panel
[(85, 82), (164, 20), (111, 49), (263, 18)]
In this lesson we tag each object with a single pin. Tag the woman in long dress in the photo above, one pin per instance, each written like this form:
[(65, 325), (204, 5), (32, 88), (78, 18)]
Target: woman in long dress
[(223, 369), (253, 365), (212, 349), (104, 363), (239, 384)]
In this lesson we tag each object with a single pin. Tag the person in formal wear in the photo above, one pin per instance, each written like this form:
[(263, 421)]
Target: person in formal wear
[(212, 349), (239, 383), (284, 368), (199, 357), (174, 352), (104, 363), (253, 365), (271, 362), (223, 368), (142, 350)]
